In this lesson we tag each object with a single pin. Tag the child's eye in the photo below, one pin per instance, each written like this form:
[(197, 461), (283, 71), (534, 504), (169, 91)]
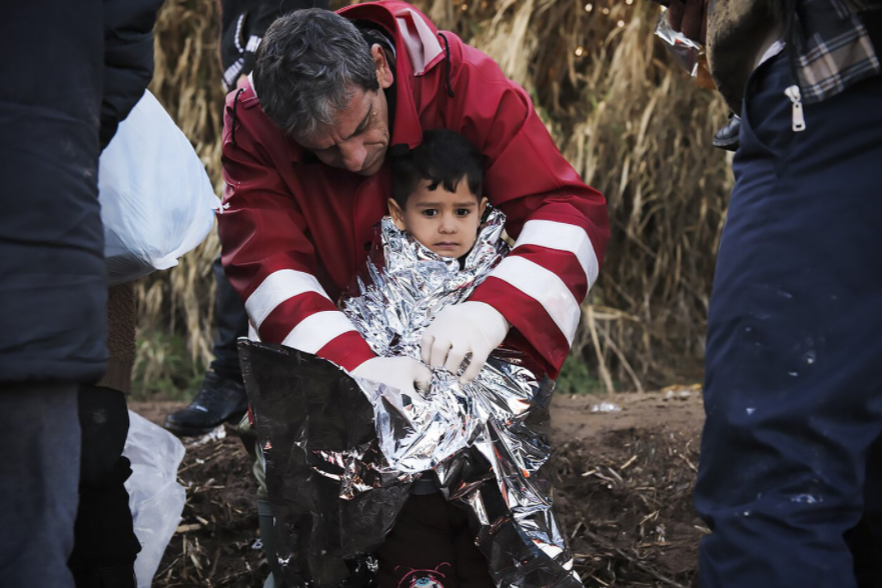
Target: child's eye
[(462, 211), (430, 212)]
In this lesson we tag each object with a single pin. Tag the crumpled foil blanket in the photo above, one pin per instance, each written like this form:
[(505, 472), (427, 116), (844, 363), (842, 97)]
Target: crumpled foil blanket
[(342, 454)]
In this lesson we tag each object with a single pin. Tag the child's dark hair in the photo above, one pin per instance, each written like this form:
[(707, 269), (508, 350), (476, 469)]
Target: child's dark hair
[(444, 158)]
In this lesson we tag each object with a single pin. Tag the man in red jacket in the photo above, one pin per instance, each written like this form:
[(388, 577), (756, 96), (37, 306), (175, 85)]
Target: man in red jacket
[(304, 157)]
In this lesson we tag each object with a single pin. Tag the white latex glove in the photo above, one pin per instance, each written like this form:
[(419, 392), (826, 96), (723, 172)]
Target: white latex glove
[(460, 329), (401, 373)]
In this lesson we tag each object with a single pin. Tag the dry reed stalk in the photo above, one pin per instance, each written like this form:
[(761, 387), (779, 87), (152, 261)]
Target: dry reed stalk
[(628, 119), (187, 82)]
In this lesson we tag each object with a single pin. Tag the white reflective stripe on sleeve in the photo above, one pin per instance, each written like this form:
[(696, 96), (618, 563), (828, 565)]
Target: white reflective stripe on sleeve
[(563, 237), (253, 44), (317, 330), (276, 288), (239, 24), (232, 74), (546, 288)]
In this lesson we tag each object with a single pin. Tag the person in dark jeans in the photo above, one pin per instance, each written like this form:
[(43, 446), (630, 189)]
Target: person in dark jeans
[(790, 477), (70, 94), (52, 277), (222, 395), (792, 394), (105, 545)]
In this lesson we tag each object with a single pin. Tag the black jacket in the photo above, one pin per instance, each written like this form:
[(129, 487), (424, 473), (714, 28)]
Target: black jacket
[(243, 23), (72, 71), (128, 59)]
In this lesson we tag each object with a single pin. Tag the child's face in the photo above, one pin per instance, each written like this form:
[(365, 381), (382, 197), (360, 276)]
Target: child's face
[(445, 222)]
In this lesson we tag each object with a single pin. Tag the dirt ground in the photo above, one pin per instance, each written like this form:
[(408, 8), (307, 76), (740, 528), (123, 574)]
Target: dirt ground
[(623, 495)]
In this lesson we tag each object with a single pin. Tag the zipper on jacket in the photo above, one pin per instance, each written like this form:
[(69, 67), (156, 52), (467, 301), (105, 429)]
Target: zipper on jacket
[(796, 99), (792, 92)]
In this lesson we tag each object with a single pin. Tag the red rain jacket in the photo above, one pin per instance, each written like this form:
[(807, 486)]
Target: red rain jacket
[(296, 231)]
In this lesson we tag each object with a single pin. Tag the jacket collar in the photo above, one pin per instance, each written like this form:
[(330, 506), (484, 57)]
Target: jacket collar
[(418, 51)]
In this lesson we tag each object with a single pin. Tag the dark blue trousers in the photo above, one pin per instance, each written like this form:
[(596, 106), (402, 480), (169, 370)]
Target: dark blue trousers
[(790, 480), (40, 456)]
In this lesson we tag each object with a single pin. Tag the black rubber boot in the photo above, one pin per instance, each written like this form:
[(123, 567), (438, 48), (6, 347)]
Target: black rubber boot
[(727, 137), (219, 400)]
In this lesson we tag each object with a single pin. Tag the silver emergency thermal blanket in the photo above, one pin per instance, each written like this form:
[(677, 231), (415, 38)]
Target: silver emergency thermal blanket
[(342, 454)]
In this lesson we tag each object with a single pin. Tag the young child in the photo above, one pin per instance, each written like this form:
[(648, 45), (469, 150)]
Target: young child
[(437, 199), (476, 442), (436, 193)]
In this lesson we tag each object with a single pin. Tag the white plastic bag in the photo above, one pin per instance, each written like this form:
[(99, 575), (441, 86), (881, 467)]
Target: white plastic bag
[(157, 202), (155, 497)]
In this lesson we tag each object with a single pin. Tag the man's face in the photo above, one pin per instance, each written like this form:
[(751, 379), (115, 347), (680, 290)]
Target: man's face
[(359, 139), (445, 222)]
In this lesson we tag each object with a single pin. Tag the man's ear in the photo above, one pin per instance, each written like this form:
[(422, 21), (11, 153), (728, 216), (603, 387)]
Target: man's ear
[(396, 213), (384, 69)]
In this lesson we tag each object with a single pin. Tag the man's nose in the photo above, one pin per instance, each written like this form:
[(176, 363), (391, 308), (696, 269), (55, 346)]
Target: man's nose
[(352, 155)]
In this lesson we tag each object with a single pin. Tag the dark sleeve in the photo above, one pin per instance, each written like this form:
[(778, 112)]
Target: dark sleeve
[(53, 289), (128, 59), (244, 26), (270, 10)]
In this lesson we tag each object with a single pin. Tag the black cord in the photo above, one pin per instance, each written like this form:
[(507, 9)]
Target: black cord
[(235, 119), (447, 64)]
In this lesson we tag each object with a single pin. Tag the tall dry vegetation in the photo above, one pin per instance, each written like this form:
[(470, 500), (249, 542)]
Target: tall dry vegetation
[(627, 118), (187, 82)]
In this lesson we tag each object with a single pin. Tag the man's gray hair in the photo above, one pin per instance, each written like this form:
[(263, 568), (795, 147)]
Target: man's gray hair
[(308, 66)]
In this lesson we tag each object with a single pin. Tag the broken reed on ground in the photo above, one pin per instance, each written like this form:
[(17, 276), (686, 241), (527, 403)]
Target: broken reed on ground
[(623, 113), (623, 499)]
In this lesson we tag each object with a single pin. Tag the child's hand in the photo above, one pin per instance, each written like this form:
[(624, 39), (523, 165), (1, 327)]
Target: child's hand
[(402, 373), (460, 329)]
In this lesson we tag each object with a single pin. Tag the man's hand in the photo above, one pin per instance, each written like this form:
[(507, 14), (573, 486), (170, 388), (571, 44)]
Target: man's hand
[(402, 373), (460, 329), (690, 18)]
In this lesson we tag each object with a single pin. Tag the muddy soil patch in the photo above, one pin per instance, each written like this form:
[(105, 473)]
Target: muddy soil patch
[(623, 496), (217, 543), (625, 503)]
